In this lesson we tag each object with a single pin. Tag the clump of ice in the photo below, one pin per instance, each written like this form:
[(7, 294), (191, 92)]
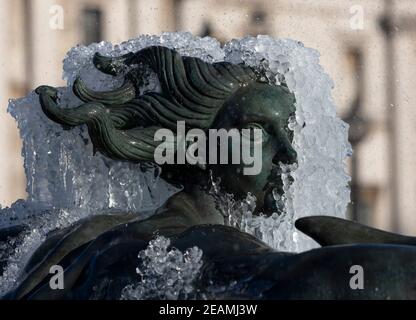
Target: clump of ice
[(320, 185), (21, 248), (277, 230), (63, 173), (165, 273), (67, 182)]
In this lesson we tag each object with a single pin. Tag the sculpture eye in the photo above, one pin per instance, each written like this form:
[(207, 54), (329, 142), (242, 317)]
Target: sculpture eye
[(248, 132)]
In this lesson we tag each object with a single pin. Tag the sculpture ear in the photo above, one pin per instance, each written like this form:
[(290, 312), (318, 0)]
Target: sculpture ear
[(328, 231)]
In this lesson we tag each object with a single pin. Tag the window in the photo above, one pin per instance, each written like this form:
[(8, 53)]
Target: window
[(206, 29), (258, 22), (92, 24)]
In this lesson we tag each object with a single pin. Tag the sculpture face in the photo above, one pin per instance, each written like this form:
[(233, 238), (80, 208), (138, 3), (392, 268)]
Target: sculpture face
[(268, 108), (122, 123)]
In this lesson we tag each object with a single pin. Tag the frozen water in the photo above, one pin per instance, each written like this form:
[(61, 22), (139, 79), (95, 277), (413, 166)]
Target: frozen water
[(63, 172), (66, 181), (165, 273), (320, 184), (276, 230)]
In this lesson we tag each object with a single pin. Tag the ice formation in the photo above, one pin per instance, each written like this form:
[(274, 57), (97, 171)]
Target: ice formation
[(165, 273), (66, 181), (320, 184)]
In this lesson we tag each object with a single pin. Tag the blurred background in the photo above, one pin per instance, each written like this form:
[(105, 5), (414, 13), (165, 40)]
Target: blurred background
[(368, 47)]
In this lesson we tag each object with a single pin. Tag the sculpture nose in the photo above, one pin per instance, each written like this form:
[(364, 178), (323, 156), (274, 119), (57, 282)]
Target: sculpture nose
[(285, 155)]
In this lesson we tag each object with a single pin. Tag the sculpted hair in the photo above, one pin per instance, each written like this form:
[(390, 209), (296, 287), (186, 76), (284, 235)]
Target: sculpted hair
[(122, 123)]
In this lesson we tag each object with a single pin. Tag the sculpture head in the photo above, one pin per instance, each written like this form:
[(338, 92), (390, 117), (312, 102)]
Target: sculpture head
[(122, 122)]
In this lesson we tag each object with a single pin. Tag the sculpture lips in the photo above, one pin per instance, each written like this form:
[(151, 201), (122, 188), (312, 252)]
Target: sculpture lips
[(269, 204), (274, 180)]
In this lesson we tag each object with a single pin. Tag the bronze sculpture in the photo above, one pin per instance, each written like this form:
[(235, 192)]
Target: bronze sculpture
[(121, 124)]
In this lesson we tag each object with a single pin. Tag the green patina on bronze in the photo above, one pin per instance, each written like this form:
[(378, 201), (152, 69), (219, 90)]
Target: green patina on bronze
[(331, 231), (121, 123)]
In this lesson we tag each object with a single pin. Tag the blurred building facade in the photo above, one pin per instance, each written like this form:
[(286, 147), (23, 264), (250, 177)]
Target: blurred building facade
[(368, 47)]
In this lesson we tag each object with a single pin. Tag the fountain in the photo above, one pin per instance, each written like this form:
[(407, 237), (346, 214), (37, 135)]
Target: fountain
[(121, 227)]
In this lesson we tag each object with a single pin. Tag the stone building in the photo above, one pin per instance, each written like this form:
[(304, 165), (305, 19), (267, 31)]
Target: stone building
[(367, 46)]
